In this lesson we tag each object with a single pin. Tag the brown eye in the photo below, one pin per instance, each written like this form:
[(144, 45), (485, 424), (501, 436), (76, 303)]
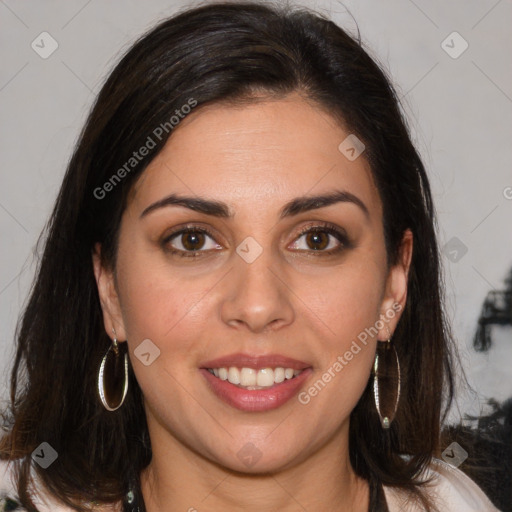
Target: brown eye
[(317, 240), (191, 241), (323, 240)]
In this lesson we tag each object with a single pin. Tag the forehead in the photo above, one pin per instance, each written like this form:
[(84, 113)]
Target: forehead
[(268, 150)]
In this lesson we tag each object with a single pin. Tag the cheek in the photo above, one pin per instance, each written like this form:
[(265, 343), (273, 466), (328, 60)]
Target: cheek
[(349, 306), (155, 296), (160, 308), (171, 312), (349, 299)]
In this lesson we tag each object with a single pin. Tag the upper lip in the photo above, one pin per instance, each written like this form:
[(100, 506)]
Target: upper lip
[(255, 361)]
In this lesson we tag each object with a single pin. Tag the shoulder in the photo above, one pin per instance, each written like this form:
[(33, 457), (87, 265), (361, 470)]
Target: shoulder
[(451, 490)]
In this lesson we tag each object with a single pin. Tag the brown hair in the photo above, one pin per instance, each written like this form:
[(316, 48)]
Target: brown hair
[(216, 52)]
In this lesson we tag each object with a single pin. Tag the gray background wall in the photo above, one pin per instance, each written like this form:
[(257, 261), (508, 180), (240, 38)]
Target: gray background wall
[(459, 105)]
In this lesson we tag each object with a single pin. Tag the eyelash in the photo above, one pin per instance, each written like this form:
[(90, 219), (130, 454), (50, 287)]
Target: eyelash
[(340, 235)]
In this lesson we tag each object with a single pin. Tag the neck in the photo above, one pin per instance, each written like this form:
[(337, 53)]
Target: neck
[(179, 479)]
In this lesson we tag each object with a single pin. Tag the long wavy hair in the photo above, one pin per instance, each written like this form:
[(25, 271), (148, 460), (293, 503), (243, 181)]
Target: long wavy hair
[(221, 52)]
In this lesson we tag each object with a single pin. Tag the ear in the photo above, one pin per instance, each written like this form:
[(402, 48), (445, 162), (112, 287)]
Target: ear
[(105, 281), (395, 294)]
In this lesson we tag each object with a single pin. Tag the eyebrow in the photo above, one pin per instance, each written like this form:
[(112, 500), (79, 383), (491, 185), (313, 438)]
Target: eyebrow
[(294, 207)]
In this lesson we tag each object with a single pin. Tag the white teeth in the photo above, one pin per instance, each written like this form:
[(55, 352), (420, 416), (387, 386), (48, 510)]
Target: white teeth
[(248, 377), (234, 375), (265, 377), (254, 379), (278, 375)]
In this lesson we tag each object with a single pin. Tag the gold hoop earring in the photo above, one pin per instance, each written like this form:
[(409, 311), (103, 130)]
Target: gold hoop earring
[(384, 380), (113, 364)]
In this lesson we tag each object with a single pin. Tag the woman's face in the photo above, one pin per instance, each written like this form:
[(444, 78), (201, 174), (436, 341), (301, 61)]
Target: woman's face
[(266, 279)]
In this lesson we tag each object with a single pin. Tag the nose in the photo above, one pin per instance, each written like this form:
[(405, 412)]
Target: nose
[(256, 296)]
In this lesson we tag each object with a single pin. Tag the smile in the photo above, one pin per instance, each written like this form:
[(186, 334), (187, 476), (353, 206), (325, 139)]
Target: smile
[(255, 382), (253, 379)]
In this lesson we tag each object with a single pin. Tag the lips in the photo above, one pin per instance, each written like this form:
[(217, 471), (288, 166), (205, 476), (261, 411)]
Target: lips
[(256, 362), (252, 397)]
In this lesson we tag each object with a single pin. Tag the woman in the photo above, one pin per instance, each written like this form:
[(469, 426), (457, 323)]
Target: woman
[(239, 302)]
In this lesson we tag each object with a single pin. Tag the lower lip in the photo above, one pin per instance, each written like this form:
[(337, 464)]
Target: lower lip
[(257, 399)]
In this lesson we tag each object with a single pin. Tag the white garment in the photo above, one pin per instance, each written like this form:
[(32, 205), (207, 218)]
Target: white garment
[(452, 491)]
